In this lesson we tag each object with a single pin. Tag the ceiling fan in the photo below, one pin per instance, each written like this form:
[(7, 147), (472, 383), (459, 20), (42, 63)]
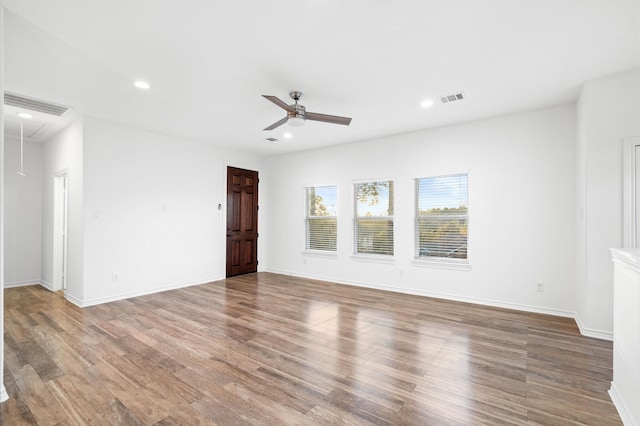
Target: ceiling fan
[(297, 114)]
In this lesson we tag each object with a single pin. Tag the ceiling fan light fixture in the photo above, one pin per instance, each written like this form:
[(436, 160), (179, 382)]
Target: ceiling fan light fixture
[(295, 121)]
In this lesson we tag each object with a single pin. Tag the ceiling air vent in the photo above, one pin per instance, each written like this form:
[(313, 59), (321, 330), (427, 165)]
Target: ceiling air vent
[(452, 98), (271, 139), (31, 104)]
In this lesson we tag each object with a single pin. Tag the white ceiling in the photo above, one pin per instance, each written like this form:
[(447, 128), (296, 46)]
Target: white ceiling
[(374, 60)]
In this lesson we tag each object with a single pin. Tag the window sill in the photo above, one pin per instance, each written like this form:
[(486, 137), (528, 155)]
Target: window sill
[(373, 258), (459, 265), (319, 253)]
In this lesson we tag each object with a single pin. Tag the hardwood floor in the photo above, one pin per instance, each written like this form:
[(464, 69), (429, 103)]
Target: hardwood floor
[(272, 349)]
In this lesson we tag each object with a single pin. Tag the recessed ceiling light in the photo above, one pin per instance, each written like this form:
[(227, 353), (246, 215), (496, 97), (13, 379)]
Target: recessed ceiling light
[(287, 135), (24, 115), (140, 84), (427, 103)]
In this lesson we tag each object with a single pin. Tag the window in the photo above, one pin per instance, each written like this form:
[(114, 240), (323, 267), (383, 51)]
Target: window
[(442, 217), (374, 217), (322, 218)]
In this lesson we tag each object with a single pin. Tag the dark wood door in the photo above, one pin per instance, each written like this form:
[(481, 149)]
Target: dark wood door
[(242, 221)]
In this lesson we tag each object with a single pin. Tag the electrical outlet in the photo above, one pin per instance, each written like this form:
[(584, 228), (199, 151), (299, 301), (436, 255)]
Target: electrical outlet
[(540, 286), (115, 278)]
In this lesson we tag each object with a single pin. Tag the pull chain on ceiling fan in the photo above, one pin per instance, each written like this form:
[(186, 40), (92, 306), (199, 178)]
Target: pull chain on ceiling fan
[(297, 114)]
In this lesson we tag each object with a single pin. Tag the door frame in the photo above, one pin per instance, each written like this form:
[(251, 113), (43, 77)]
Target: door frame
[(223, 208), (630, 202), (60, 230)]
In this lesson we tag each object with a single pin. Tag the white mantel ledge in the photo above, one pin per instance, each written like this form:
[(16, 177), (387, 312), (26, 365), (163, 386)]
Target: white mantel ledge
[(627, 257)]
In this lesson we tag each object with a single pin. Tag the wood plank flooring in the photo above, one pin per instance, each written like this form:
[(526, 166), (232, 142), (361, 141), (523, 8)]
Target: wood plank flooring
[(266, 349)]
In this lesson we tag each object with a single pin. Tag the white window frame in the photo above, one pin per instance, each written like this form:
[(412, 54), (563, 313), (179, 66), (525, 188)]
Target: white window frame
[(315, 252), (432, 261), (371, 257)]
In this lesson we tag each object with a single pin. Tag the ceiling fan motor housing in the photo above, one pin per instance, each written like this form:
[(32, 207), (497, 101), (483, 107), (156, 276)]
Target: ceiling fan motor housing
[(301, 112)]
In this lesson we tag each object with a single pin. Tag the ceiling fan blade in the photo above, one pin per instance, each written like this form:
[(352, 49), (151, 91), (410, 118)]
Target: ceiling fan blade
[(280, 103), (335, 119), (277, 124)]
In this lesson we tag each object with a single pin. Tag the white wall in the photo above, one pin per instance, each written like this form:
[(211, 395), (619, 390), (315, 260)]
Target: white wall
[(64, 152), (22, 214), (151, 211), (521, 195), (608, 112)]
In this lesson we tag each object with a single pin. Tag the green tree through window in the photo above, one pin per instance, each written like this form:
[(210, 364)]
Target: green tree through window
[(442, 217), (321, 218), (374, 217)]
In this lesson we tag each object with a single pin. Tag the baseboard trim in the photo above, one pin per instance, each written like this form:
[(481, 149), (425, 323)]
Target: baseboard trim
[(21, 283), (4, 396), (437, 295), (618, 402), (92, 302), (590, 332), (47, 285)]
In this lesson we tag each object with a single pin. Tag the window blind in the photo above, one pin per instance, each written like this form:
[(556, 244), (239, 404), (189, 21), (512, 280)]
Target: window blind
[(442, 216), (374, 204), (321, 218)]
